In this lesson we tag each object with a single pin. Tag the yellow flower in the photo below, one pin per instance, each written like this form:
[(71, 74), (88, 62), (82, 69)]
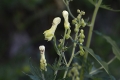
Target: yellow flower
[(50, 33), (66, 22), (43, 63)]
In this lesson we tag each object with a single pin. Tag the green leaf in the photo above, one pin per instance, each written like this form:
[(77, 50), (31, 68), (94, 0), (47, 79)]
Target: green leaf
[(92, 2), (102, 63), (96, 78), (36, 73), (108, 8), (34, 77), (115, 48), (112, 77)]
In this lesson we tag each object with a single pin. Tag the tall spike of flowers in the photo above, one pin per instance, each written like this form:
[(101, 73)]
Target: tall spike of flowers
[(50, 33), (43, 63), (66, 22)]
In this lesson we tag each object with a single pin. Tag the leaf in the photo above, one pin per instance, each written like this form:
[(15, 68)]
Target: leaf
[(108, 8), (35, 71), (102, 63), (112, 77), (115, 48), (34, 77), (92, 2), (96, 78)]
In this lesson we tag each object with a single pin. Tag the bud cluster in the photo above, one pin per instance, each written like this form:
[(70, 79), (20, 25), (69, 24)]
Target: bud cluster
[(74, 72)]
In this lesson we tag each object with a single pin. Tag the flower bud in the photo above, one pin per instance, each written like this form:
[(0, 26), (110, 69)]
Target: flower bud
[(43, 63), (78, 11), (83, 24), (82, 13), (50, 33), (66, 22), (76, 28)]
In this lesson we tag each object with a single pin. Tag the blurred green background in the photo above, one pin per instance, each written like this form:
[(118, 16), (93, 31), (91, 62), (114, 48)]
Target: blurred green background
[(22, 23)]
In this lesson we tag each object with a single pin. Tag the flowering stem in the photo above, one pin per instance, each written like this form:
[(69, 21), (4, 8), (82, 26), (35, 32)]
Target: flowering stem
[(63, 46), (97, 5), (72, 56), (64, 37), (56, 48), (58, 64)]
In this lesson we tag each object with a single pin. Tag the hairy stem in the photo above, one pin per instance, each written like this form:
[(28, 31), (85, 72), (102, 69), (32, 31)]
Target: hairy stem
[(90, 35)]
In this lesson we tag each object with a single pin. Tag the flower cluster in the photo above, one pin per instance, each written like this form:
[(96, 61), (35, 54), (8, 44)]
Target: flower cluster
[(49, 34), (74, 72)]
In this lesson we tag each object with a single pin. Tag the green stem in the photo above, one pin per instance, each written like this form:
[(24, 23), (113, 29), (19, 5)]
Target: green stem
[(111, 60), (63, 46), (64, 58), (90, 36), (43, 76), (72, 56), (64, 37), (58, 64), (67, 5), (92, 25), (55, 73), (55, 45)]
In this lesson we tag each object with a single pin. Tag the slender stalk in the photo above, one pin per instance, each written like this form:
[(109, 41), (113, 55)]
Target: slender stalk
[(73, 78), (55, 74), (64, 37), (64, 58), (72, 56), (43, 76), (62, 55), (90, 36), (58, 64), (67, 5), (111, 60), (92, 25), (63, 46)]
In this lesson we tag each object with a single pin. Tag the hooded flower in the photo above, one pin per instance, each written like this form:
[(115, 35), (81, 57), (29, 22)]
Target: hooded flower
[(66, 22), (50, 33), (43, 63)]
